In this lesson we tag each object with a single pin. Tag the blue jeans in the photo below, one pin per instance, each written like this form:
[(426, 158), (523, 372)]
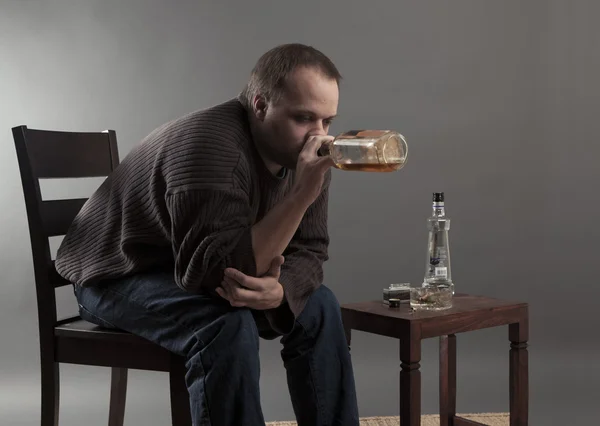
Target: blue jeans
[(221, 346)]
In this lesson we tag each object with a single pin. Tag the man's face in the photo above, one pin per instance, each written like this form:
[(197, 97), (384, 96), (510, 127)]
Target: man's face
[(306, 108)]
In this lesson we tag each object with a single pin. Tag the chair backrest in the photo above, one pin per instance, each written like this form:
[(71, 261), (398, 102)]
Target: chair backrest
[(44, 154)]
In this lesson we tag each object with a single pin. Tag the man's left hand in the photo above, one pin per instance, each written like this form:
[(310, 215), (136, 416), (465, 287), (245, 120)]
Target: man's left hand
[(260, 293)]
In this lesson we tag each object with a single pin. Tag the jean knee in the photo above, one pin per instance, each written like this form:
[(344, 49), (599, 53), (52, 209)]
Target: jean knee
[(322, 310), (325, 299), (240, 325), (234, 336)]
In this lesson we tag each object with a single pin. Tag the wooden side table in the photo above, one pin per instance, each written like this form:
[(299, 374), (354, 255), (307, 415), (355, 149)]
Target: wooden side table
[(468, 313)]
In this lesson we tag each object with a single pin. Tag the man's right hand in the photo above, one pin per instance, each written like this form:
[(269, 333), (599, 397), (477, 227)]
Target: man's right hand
[(310, 170)]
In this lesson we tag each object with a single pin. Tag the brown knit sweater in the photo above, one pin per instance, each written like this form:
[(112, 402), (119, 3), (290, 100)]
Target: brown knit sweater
[(186, 198)]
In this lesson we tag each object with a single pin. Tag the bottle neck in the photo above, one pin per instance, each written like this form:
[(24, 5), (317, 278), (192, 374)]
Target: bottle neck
[(438, 209)]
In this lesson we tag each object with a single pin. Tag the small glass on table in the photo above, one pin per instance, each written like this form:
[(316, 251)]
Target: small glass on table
[(431, 297)]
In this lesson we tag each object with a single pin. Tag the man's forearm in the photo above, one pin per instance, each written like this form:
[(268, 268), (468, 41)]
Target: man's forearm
[(272, 234)]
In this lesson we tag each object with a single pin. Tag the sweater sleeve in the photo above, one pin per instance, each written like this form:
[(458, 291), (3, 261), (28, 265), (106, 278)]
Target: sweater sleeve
[(302, 270), (211, 231)]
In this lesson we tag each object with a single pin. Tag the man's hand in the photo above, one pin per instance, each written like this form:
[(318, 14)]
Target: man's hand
[(256, 293), (310, 169)]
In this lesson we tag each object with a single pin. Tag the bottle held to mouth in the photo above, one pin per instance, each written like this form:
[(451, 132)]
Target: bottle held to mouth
[(367, 150)]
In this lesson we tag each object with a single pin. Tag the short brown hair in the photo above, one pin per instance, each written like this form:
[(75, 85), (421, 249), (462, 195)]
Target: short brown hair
[(273, 68)]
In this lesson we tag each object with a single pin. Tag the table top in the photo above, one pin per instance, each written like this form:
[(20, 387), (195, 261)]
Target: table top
[(469, 312)]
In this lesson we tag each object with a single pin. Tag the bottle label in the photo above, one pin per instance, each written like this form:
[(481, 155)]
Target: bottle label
[(441, 271)]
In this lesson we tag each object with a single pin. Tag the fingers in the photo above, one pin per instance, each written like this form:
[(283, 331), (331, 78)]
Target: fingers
[(227, 291), (242, 279), (324, 163), (235, 294), (223, 293), (229, 286), (236, 275), (242, 290), (309, 153), (313, 143)]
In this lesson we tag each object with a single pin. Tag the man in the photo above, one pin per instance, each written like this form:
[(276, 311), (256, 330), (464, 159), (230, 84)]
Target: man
[(212, 233)]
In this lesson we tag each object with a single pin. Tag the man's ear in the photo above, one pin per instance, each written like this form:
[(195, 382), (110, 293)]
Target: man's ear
[(259, 107)]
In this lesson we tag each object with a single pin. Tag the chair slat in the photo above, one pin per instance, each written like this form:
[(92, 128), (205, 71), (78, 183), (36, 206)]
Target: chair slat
[(57, 215), (54, 278), (56, 154)]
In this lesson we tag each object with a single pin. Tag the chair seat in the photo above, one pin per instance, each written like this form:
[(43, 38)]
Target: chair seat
[(81, 342), (82, 329)]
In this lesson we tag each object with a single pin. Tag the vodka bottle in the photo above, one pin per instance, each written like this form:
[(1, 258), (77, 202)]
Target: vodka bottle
[(437, 270)]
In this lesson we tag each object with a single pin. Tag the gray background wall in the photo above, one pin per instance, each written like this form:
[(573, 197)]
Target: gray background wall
[(497, 99)]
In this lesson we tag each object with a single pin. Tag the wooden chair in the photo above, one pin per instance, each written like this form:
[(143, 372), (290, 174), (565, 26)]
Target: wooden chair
[(50, 154)]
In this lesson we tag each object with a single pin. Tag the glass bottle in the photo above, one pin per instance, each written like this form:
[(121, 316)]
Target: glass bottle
[(438, 270), (367, 150)]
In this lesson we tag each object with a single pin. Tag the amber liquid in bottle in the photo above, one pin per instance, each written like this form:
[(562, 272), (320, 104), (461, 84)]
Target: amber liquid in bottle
[(369, 167), (367, 151)]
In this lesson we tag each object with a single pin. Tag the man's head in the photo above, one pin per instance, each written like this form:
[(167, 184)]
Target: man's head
[(292, 93)]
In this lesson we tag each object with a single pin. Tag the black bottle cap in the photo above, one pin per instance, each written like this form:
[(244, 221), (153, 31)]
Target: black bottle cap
[(438, 196)]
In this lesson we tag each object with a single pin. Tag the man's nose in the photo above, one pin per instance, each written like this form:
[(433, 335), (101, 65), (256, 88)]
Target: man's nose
[(318, 130)]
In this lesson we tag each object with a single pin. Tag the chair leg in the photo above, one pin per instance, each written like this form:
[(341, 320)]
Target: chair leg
[(180, 397), (118, 393), (50, 392)]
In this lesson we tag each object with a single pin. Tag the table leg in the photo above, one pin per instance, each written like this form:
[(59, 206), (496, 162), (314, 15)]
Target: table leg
[(447, 379), (519, 372), (410, 379)]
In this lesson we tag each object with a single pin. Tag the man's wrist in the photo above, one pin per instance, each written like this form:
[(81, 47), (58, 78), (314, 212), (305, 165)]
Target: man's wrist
[(297, 200)]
